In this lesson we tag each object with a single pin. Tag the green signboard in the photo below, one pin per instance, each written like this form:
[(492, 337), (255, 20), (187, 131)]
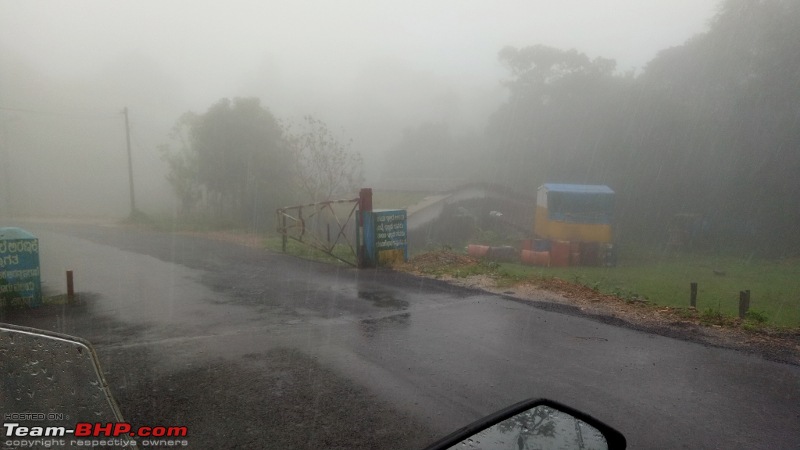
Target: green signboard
[(385, 236), (20, 278)]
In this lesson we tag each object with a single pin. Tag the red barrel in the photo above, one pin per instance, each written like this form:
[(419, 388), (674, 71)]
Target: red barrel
[(535, 258), (559, 253), (541, 245), (478, 251), (526, 244)]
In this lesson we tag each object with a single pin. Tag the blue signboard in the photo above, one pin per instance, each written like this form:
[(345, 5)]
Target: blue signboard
[(385, 236), (20, 277)]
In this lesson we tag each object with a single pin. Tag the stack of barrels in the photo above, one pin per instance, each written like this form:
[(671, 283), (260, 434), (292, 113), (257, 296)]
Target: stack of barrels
[(536, 252), (556, 253)]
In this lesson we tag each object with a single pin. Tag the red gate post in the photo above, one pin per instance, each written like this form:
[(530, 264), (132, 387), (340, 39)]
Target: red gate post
[(364, 206)]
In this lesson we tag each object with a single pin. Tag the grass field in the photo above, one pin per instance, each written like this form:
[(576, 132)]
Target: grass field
[(664, 279), (661, 279), (305, 251)]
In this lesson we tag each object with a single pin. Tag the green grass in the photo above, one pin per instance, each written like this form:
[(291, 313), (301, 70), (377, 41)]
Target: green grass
[(665, 279), (305, 251)]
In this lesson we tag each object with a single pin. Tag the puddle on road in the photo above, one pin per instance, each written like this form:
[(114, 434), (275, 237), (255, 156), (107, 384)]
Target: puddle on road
[(87, 316), (383, 299), (369, 327), (162, 299)]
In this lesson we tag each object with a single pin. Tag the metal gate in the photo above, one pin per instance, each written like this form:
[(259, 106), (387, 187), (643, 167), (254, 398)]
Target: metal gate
[(329, 227)]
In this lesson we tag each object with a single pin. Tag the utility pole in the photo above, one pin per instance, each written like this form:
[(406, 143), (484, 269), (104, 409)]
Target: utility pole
[(130, 164), (6, 162)]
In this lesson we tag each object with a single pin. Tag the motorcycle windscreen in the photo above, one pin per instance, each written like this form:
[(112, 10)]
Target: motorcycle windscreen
[(51, 380)]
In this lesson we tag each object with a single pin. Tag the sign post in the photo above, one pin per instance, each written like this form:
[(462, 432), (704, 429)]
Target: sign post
[(385, 237), (20, 276)]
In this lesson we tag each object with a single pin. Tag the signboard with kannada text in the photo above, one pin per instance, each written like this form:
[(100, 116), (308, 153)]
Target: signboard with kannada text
[(20, 277), (386, 236)]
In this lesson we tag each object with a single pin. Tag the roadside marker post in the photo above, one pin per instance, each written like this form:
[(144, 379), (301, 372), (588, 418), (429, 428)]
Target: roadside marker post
[(70, 287)]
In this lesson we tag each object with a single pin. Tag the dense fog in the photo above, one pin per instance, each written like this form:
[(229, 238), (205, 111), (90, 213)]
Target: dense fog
[(688, 106)]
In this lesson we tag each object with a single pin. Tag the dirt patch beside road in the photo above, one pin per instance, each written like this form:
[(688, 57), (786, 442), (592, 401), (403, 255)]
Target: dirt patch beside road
[(776, 344)]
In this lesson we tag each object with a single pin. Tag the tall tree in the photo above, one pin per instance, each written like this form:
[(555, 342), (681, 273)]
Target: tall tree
[(711, 126), (182, 163), (236, 153), (556, 120), (324, 164), (739, 85)]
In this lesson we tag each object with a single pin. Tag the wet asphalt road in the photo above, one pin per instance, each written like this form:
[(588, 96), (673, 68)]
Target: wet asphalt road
[(253, 349)]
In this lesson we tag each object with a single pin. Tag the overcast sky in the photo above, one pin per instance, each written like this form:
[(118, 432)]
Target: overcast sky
[(211, 47), (369, 67)]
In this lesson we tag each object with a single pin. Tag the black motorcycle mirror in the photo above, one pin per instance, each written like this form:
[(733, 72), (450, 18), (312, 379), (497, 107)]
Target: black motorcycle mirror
[(534, 424), (51, 379)]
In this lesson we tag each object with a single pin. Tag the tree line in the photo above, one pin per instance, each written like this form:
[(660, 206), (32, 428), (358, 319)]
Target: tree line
[(236, 163), (710, 127)]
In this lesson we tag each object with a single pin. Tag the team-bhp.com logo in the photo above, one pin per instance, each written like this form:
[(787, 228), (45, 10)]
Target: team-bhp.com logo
[(90, 434)]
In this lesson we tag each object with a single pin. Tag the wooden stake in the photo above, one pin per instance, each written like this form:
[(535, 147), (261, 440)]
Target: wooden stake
[(70, 287), (744, 303)]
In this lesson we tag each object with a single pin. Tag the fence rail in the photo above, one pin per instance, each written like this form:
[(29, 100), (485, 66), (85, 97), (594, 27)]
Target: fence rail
[(312, 225)]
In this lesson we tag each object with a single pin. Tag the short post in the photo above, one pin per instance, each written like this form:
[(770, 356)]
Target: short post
[(744, 303), (693, 295), (364, 207), (283, 232), (70, 287)]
